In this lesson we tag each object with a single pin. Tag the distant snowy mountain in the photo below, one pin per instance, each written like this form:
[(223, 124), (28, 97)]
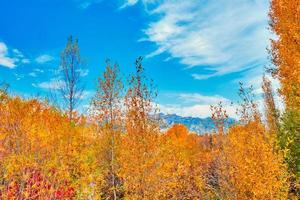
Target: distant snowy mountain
[(194, 124)]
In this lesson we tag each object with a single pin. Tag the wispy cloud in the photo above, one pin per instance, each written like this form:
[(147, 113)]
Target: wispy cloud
[(57, 84), (195, 105), (128, 3), (198, 105), (25, 61), (84, 4), (11, 58), (218, 35), (83, 72), (44, 58), (35, 72), (19, 76), (86, 94), (53, 84), (18, 53), (197, 110), (38, 70), (32, 74), (5, 60), (194, 98)]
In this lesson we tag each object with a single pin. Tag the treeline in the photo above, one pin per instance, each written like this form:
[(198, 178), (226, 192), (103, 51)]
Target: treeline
[(118, 151)]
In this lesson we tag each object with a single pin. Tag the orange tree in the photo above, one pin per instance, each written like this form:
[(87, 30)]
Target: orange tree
[(285, 22), (250, 168)]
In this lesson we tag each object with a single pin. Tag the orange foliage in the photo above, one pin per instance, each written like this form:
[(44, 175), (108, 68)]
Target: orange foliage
[(250, 168), (139, 144), (124, 155), (285, 51), (45, 156), (182, 162), (35, 140)]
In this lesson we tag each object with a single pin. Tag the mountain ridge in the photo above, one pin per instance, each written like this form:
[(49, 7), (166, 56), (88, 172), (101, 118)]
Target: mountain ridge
[(194, 124)]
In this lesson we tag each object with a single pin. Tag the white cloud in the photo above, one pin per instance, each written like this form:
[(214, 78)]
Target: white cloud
[(128, 3), (85, 94), (11, 58), (197, 110), (83, 72), (84, 4), (195, 105), (5, 60), (38, 70), (33, 74), (25, 61), (198, 105), (53, 84), (56, 84), (191, 98), (18, 53), (19, 76), (218, 35), (44, 59)]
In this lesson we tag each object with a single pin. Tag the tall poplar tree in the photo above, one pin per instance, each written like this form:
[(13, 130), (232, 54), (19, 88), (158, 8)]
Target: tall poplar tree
[(108, 113)]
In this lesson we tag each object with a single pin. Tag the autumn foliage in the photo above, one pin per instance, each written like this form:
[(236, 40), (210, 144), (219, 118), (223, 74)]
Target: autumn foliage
[(118, 151), (285, 51)]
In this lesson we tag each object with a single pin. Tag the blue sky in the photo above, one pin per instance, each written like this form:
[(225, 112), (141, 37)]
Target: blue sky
[(195, 50)]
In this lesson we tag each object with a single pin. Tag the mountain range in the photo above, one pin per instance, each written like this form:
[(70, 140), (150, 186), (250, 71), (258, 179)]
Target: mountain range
[(194, 124)]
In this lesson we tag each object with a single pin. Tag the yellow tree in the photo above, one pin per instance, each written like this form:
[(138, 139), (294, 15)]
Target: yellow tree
[(139, 144), (285, 50), (183, 161), (250, 168), (285, 22), (248, 108), (271, 112), (220, 118), (106, 110), (71, 86)]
